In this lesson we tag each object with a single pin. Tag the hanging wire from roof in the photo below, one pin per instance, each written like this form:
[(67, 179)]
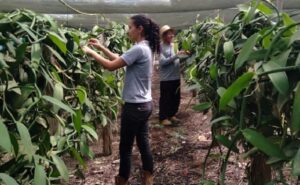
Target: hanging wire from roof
[(84, 13)]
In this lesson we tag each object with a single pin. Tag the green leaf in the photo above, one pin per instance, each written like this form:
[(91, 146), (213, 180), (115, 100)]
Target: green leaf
[(263, 144), (236, 87), (5, 142), (58, 41), (114, 112), (14, 143), (192, 71), (42, 121), (185, 45), (267, 41), (58, 103), (226, 142), (279, 79), (221, 91), (36, 52), (228, 50), (81, 94), (13, 86), (84, 148), (11, 48), (271, 183), (61, 143), (78, 157), (77, 120), (296, 110), (58, 93), (281, 59), (202, 106), (39, 175), (96, 29), (208, 183), (51, 21), (250, 13), (287, 20), (220, 119), (264, 9), (17, 41), (103, 120), (296, 36), (8, 180), (27, 29), (57, 55), (281, 102), (257, 55), (297, 62), (246, 51), (61, 167), (25, 139), (60, 120), (20, 52), (90, 105), (90, 130), (56, 76), (213, 71), (3, 64), (296, 164)]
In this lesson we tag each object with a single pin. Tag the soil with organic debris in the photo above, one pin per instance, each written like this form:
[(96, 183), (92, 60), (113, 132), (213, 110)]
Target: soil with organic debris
[(179, 152)]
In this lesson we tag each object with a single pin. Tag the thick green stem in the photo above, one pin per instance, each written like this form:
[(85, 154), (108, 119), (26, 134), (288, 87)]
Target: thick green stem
[(276, 38), (277, 23), (242, 113), (289, 68), (206, 157), (224, 164)]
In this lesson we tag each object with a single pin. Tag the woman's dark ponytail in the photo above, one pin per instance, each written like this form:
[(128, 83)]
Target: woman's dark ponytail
[(151, 31)]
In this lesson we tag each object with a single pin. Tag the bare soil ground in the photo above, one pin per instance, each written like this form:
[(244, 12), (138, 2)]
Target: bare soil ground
[(178, 152)]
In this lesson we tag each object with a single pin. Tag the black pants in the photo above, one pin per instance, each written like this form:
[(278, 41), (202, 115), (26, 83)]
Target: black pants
[(134, 124), (169, 98)]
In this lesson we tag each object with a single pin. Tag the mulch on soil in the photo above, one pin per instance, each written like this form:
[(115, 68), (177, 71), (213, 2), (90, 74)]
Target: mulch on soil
[(178, 151)]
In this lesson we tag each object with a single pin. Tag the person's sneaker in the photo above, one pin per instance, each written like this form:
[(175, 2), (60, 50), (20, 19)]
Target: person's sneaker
[(174, 119), (166, 122)]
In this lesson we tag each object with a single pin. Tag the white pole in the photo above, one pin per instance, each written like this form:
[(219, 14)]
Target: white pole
[(279, 4)]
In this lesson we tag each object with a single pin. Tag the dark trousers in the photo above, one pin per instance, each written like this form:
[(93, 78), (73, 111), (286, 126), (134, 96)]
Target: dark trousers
[(169, 98), (134, 124)]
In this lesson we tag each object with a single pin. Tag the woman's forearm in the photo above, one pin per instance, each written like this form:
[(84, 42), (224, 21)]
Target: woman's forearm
[(167, 60), (111, 65), (100, 59), (108, 53)]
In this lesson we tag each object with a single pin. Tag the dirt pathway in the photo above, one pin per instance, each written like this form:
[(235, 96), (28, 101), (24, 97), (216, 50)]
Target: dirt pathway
[(178, 151)]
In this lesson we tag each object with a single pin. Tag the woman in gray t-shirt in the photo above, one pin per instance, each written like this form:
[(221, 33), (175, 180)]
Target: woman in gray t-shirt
[(136, 92)]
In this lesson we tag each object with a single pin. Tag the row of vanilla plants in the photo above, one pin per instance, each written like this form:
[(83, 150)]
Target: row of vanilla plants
[(247, 73), (51, 96)]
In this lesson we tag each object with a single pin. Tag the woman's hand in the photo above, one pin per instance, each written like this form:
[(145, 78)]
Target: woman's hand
[(96, 43), (183, 52), (188, 52), (87, 50)]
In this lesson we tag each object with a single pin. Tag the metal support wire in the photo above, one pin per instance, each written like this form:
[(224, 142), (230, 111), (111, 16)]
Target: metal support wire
[(84, 13)]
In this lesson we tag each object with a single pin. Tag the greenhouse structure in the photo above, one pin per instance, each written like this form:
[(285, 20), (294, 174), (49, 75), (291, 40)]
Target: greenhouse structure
[(163, 92)]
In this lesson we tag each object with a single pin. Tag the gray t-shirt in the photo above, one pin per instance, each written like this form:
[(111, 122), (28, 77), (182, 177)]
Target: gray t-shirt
[(169, 64), (137, 83)]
